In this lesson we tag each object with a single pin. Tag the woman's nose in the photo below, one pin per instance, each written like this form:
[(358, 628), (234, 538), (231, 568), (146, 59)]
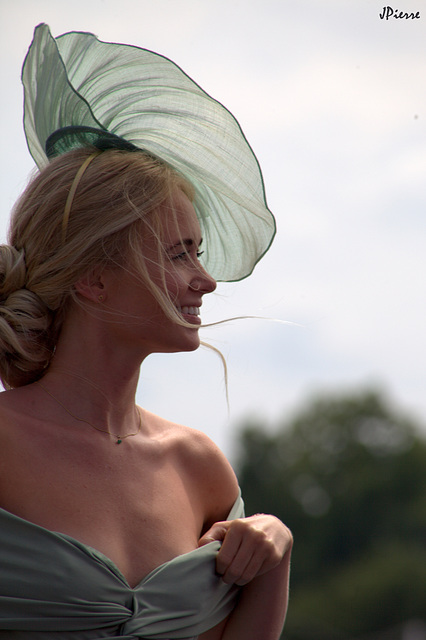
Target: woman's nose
[(203, 281)]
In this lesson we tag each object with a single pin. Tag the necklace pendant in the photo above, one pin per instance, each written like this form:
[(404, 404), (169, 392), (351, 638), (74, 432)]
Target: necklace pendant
[(119, 440)]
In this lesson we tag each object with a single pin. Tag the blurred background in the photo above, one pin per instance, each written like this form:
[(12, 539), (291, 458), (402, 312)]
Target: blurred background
[(327, 414), (347, 473)]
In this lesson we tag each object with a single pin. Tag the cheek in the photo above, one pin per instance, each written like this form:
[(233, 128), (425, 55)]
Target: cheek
[(175, 285)]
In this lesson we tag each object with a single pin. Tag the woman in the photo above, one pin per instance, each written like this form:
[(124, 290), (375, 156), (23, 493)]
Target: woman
[(116, 523)]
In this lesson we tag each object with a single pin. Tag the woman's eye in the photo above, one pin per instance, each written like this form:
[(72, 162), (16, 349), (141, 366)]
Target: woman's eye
[(186, 256), (179, 256)]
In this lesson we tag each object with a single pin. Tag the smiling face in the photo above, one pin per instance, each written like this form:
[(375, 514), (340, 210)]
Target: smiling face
[(131, 304)]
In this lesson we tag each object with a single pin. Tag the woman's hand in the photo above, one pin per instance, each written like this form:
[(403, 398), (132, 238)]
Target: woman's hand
[(250, 546)]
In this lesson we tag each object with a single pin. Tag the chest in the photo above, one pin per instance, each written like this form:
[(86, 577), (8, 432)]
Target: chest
[(139, 510)]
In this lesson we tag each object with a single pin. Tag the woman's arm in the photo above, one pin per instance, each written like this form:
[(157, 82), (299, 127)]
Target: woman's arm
[(255, 554), (255, 551)]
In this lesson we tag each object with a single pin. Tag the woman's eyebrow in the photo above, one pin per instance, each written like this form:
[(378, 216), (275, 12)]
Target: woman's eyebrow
[(187, 242)]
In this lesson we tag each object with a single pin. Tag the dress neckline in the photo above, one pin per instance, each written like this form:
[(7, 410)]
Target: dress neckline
[(209, 549)]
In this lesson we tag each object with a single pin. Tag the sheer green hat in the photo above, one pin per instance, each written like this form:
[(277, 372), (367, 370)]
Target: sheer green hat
[(79, 91)]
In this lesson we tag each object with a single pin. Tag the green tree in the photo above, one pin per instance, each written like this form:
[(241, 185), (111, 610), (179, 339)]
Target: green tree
[(347, 475)]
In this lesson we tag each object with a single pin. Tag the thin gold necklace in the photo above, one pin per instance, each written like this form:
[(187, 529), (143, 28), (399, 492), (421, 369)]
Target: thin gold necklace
[(115, 435)]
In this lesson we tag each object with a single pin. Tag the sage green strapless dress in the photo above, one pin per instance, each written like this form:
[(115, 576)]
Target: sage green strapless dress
[(53, 587)]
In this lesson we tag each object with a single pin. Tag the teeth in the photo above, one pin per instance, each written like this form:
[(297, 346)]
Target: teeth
[(191, 311)]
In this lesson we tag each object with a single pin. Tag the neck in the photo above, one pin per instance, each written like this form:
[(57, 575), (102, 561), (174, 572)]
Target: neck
[(95, 370), (86, 399), (119, 437), (99, 396), (101, 382), (108, 370)]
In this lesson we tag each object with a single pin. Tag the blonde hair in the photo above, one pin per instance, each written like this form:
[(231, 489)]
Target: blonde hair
[(119, 194)]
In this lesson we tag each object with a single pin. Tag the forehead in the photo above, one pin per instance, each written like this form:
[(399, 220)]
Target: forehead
[(181, 222)]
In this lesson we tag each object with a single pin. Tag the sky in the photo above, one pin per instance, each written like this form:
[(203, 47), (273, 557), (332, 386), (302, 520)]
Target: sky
[(332, 100)]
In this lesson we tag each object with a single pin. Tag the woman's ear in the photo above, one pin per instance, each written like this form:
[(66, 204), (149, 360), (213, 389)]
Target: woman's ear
[(91, 286)]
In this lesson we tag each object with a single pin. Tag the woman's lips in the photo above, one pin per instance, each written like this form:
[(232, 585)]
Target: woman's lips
[(191, 314)]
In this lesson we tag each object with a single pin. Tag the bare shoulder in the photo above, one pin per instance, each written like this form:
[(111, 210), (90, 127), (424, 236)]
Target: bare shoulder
[(12, 404), (18, 408), (13, 399), (204, 467), (15, 434)]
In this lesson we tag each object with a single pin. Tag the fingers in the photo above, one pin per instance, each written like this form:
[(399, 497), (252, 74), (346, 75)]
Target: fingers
[(231, 559), (237, 562), (245, 553), (216, 532), (251, 546)]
